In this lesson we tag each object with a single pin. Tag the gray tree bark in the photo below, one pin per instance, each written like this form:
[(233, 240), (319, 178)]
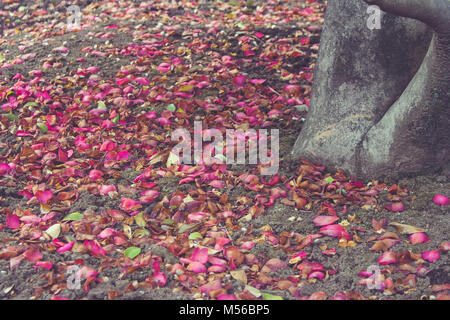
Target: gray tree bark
[(380, 99)]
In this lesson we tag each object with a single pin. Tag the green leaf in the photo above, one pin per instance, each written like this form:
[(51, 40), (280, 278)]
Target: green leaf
[(253, 291), (139, 233), (241, 25), (171, 107), (30, 104), (2, 58), (301, 107), (11, 117), (74, 216), (187, 227), (168, 222), (329, 179), (268, 296), (116, 119), (43, 127), (132, 252), (195, 236)]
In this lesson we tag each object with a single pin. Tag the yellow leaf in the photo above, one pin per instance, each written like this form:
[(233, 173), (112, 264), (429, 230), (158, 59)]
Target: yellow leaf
[(239, 275), (140, 220), (405, 228), (186, 88)]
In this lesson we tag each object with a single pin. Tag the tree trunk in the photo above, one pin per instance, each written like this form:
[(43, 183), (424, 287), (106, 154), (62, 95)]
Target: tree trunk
[(379, 105)]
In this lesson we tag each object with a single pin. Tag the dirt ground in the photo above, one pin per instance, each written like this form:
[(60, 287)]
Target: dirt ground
[(264, 238)]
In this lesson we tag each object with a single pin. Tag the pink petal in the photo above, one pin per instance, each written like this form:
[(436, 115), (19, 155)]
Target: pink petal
[(220, 242), (441, 200), (15, 261), (44, 264), (108, 232), (395, 207), (196, 217), (95, 174), (123, 155), (128, 204), (44, 196), (445, 246), (32, 255), (66, 247), (431, 255), (200, 255), (164, 67), (217, 184), (196, 267), (334, 230), (94, 247), (211, 286), (217, 269), (275, 264), (247, 245), (316, 274), (418, 237), (388, 257), (105, 190), (30, 219), (217, 261), (239, 81), (325, 220)]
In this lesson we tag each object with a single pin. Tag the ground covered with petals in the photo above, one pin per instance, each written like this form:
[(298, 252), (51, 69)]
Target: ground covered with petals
[(93, 204)]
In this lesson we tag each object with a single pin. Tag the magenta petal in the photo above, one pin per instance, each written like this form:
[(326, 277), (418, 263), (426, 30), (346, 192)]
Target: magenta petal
[(388, 257), (320, 221), (418, 237), (160, 279), (441, 200), (12, 221), (239, 81), (66, 247), (316, 274), (334, 230), (4, 168), (44, 264), (44, 196), (431, 255)]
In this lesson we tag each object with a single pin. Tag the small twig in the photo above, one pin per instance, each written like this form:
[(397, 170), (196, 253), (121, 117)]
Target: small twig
[(274, 91)]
